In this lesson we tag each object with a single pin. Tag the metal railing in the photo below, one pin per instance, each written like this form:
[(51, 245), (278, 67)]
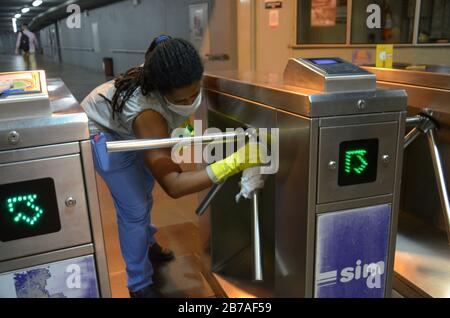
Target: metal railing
[(124, 51), (152, 144), (73, 48)]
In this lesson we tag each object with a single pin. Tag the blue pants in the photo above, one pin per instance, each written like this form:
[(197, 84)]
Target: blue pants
[(131, 185)]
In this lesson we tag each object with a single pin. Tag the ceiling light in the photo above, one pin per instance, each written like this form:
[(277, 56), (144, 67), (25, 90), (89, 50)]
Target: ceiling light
[(17, 16), (25, 10), (37, 3)]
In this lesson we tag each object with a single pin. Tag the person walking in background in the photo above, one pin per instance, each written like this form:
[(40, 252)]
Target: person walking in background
[(27, 44)]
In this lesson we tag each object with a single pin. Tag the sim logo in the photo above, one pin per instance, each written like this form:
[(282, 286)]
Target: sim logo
[(372, 273)]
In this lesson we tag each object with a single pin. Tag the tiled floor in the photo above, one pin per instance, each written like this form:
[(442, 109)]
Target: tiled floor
[(176, 219)]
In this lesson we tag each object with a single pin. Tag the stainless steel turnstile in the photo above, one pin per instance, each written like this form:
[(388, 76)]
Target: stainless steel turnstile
[(328, 218), (51, 238), (325, 224), (422, 263)]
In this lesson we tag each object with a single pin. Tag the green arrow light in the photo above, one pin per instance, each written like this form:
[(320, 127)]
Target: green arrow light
[(23, 209), (356, 161)]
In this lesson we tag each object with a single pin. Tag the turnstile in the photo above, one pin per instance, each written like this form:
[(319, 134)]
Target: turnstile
[(422, 263), (328, 218), (325, 224), (51, 237)]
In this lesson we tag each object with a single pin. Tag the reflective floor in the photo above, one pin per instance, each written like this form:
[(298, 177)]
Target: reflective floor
[(175, 219)]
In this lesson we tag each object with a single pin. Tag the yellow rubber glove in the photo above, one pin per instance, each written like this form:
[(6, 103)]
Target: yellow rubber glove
[(249, 156)]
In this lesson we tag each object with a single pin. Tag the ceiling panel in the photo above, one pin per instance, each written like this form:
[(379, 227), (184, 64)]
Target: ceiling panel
[(48, 12), (8, 8)]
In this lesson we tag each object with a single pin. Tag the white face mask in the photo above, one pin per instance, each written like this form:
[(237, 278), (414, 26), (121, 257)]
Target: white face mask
[(186, 110)]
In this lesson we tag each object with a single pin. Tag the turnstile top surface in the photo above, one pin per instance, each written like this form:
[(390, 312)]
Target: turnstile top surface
[(328, 75), (429, 76), (428, 90), (270, 90), (67, 123)]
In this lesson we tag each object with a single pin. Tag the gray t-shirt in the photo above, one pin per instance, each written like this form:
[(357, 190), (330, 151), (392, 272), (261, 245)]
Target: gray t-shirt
[(100, 115)]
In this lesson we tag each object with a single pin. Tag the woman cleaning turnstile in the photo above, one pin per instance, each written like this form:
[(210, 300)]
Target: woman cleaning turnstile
[(149, 102)]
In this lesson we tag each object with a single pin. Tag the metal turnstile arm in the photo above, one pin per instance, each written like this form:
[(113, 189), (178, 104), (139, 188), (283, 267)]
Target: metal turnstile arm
[(257, 248), (440, 178), (256, 228), (152, 144), (204, 205), (412, 136), (425, 125)]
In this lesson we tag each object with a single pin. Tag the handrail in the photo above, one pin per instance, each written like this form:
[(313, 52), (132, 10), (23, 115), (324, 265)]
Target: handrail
[(84, 49), (124, 51)]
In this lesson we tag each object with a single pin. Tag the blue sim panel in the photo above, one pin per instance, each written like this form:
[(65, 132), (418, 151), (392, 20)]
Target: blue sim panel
[(72, 278), (352, 252)]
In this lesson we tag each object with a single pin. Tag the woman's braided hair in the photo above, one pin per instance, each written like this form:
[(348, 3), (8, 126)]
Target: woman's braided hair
[(169, 64)]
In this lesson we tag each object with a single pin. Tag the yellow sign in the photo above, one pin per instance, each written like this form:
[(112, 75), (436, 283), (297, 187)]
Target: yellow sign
[(385, 56)]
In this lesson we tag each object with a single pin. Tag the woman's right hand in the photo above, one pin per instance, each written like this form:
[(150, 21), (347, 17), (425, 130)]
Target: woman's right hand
[(251, 155)]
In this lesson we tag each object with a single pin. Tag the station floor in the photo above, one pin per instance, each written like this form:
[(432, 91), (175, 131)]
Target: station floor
[(175, 219)]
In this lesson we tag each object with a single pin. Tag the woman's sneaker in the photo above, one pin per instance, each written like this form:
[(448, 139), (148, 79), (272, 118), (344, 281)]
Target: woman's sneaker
[(159, 254), (147, 292)]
